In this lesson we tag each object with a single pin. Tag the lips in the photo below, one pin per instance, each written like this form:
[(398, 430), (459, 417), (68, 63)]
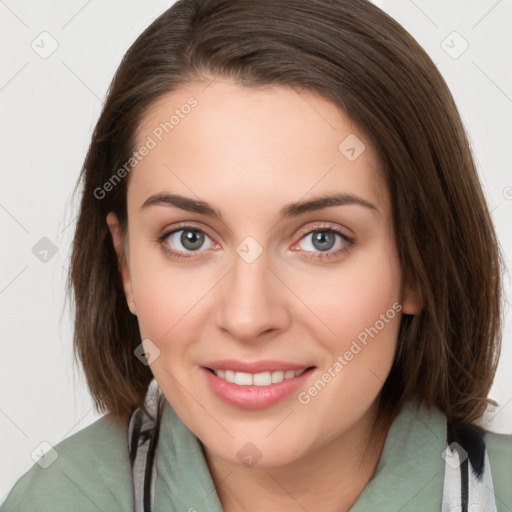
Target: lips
[(254, 385)]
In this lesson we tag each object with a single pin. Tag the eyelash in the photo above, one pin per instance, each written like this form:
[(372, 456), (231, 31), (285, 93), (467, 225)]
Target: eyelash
[(327, 228), (349, 242)]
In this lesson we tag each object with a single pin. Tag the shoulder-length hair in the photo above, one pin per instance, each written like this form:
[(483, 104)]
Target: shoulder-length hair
[(355, 55)]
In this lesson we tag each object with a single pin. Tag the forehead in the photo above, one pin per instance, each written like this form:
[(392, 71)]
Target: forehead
[(252, 145)]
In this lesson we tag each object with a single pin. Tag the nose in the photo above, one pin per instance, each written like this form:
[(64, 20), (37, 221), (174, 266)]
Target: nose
[(253, 303)]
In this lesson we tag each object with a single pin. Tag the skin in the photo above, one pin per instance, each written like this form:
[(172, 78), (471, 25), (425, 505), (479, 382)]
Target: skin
[(249, 152)]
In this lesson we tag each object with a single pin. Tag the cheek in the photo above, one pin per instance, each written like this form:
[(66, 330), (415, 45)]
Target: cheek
[(352, 298), (362, 308), (165, 295)]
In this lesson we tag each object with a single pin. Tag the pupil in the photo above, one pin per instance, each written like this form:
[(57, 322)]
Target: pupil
[(323, 240), (192, 239)]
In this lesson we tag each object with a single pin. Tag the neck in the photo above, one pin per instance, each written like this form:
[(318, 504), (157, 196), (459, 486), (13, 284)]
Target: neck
[(328, 479)]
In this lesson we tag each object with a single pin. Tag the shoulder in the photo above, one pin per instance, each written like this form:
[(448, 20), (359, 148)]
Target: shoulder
[(499, 449), (88, 471)]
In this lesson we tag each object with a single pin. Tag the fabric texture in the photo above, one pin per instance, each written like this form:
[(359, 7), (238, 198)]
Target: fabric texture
[(93, 471), (143, 439)]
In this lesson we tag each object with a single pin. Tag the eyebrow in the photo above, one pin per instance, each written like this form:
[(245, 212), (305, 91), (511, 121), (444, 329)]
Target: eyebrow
[(290, 210)]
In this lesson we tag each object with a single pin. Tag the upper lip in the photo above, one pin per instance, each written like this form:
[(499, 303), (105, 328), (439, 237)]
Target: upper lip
[(254, 366)]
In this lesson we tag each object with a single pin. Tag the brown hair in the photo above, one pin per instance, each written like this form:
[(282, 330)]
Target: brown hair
[(358, 57)]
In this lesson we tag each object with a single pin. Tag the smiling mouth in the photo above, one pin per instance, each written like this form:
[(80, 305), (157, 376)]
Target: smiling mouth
[(265, 378)]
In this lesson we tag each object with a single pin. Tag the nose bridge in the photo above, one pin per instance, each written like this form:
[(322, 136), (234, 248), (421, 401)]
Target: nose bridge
[(253, 301)]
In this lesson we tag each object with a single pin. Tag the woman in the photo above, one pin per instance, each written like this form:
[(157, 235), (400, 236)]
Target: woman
[(286, 278)]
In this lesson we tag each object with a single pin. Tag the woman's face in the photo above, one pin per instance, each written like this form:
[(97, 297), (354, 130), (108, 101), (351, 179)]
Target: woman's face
[(260, 242)]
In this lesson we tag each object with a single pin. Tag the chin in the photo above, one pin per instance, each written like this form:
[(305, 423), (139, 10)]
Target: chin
[(258, 451)]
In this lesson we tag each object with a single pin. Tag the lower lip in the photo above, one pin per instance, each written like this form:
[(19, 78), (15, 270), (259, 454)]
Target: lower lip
[(253, 397)]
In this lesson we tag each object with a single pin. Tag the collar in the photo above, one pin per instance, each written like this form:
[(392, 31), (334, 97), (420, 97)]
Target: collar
[(408, 477)]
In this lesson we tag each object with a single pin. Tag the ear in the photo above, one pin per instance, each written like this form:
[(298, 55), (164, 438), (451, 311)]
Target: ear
[(122, 261), (412, 303)]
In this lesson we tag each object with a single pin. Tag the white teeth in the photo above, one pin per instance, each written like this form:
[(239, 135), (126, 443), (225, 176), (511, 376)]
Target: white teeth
[(277, 376), (262, 379), (243, 379), (257, 379)]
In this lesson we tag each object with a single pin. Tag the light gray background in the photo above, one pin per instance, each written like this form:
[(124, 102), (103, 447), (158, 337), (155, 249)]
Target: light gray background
[(48, 108)]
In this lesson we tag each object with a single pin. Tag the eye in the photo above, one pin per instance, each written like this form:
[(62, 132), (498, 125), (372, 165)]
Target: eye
[(185, 240), (324, 242)]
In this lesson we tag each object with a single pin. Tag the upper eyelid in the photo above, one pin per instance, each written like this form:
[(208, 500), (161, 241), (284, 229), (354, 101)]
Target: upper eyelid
[(325, 226), (183, 227)]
